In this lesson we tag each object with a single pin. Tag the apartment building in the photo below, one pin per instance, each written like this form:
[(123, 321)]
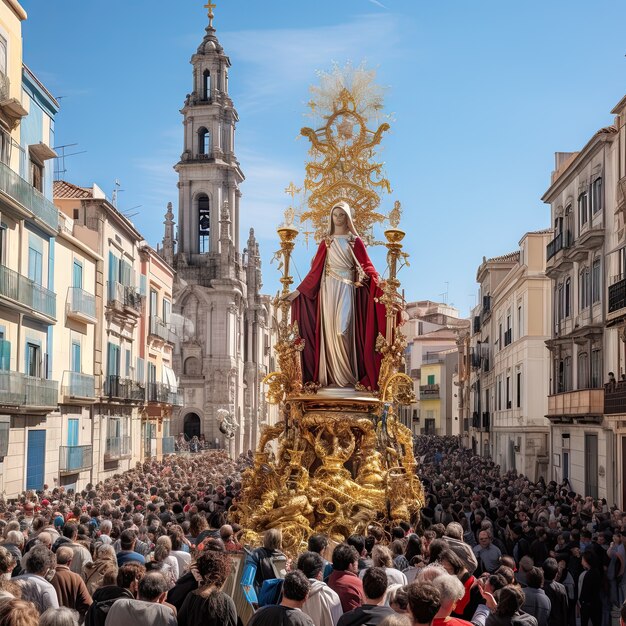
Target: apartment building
[(29, 439), (431, 332), (511, 388), (582, 201), (156, 351)]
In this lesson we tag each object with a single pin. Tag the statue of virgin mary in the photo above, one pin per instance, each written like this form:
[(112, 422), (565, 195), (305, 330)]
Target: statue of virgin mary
[(337, 310)]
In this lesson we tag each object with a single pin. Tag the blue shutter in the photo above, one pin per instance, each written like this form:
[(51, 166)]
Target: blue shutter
[(72, 432), (5, 354), (78, 275), (35, 459), (76, 360)]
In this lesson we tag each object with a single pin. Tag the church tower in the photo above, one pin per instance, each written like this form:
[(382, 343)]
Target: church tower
[(217, 367)]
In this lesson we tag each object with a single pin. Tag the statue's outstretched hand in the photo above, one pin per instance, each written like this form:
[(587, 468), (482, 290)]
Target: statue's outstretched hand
[(290, 297)]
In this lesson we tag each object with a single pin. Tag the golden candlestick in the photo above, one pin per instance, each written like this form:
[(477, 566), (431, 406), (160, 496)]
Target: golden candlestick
[(287, 235)]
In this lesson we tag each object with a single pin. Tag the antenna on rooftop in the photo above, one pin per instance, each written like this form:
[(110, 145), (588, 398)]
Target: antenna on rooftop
[(59, 162), (115, 193), (444, 295)]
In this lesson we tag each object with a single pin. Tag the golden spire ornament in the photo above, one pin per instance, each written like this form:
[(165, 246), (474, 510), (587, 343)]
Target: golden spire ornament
[(343, 162)]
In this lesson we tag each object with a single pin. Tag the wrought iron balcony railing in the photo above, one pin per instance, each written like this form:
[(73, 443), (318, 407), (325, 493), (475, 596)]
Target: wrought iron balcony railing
[(429, 392), (617, 295), (73, 459), (125, 296), (28, 391), (27, 292), (123, 388), (162, 392)]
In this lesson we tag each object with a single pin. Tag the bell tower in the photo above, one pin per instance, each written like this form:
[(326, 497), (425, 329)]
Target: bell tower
[(208, 171)]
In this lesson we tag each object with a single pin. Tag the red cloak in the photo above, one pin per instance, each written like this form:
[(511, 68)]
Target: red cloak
[(369, 318)]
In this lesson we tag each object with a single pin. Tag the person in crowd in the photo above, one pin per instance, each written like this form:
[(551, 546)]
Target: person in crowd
[(453, 536), (398, 599), (33, 582), (319, 543), (148, 609), (163, 561), (536, 602), (466, 606), (176, 535), (451, 590), (126, 586), (14, 543), (103, 570), (373, 610), (59, 617), (556, 592), (289, 612), (344, 579), (127, 553), (590, 591), (260, 560), (323, 605), (209, 605), (16, 612), (424, 603), (487, 554), (382, 557), (507, 611), (82, 556), (71, 590)]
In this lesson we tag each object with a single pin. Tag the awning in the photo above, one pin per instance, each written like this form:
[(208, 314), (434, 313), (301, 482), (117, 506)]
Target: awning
[(170, 378)]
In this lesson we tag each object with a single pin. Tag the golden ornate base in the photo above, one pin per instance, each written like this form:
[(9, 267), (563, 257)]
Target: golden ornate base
[(337, 462)]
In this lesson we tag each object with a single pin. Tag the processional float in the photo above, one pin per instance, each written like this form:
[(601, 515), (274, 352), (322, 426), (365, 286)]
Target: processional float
[(339, 459)]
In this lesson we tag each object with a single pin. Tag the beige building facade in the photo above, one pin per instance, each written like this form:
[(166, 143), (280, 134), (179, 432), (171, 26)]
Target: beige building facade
[(29, 389)]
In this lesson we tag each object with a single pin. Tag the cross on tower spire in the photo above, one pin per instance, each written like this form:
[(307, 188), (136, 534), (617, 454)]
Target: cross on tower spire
[(210, 5)]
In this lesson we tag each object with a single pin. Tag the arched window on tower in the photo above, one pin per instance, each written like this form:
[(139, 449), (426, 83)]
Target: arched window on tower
[(206, 85), (204, 141), (204, 224)]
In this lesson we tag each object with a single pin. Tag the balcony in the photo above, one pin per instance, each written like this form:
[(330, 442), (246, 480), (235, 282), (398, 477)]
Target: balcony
[(117, 448), (615, 399), (581, 405), (27, 197), (168, 445), (124, 298), (11, 107), (73, 459), (78, 386), (429, 392), (17, 389), (163, 393), (26, 292), (119, 388), (81, 305), (590, 238), (617, 299), (158, 328), (557, 260)]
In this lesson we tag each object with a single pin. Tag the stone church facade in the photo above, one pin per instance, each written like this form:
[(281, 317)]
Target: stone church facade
[(224, 322)]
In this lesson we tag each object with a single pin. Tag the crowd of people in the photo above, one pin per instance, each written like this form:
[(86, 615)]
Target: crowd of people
[(154, 546)]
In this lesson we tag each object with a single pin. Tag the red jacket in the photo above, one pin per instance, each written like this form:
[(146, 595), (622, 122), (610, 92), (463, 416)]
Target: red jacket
[(349, 588)]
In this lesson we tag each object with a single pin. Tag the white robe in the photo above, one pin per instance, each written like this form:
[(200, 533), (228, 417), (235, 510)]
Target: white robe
[(338, 364)]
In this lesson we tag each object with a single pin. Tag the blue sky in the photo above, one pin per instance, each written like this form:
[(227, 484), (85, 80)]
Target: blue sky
[(482, 94)]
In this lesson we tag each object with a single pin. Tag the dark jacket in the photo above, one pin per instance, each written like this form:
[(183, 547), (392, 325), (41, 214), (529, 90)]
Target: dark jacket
[(537, 604), (183, 587), (518, 619), (14, 549), (559, 602), (103, 599), (262, 560), (365, 615)]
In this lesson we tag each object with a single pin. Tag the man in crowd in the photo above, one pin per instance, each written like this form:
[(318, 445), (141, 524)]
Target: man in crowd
[(70, 587), (487, 554), (148, 609), (373, 610), (344, 579), (323, 605)]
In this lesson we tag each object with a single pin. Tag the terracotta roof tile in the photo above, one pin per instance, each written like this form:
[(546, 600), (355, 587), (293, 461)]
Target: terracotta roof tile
[(63, 189), (511, 256)]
